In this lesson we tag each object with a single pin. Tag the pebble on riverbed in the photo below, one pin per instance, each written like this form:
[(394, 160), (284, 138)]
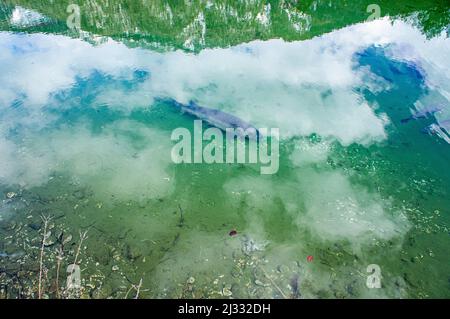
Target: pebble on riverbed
[(11, 195), (227, 292)]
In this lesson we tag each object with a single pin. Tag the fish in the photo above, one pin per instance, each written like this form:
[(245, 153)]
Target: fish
[(423, 114), (216, 118), (294, 287)]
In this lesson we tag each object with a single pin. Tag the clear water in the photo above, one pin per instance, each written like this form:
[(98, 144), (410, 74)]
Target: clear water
[(85, 138)]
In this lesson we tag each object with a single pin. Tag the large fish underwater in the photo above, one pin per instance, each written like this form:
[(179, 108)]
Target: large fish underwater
[(216, 118)]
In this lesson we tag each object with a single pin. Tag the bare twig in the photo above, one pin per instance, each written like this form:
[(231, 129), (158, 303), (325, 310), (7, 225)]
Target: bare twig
[(131, 288), (83, 236), (135, 287), (138, 289), (274, 284), (46, 220), (59, 258), (73, 267)]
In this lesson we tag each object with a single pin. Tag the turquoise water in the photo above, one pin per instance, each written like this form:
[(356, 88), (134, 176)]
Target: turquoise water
[(85, 139)]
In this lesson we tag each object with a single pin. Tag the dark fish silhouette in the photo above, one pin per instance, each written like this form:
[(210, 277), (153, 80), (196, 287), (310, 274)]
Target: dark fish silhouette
[(294, 287), (215, 117)]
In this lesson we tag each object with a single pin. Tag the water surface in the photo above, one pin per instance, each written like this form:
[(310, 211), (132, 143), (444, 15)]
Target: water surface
[(85, 138)]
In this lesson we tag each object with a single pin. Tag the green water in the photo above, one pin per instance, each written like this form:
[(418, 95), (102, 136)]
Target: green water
[(85, 140)]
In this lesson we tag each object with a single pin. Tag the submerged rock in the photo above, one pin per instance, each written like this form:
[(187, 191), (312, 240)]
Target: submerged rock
[(282, 268), (35, 226), (67, 239), (11, 195), (227, 292), (49, 240), (260, 283), (250, 246), (132, 252)]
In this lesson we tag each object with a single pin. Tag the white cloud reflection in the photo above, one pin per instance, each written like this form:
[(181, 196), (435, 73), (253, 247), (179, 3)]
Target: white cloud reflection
[(301, 87)]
